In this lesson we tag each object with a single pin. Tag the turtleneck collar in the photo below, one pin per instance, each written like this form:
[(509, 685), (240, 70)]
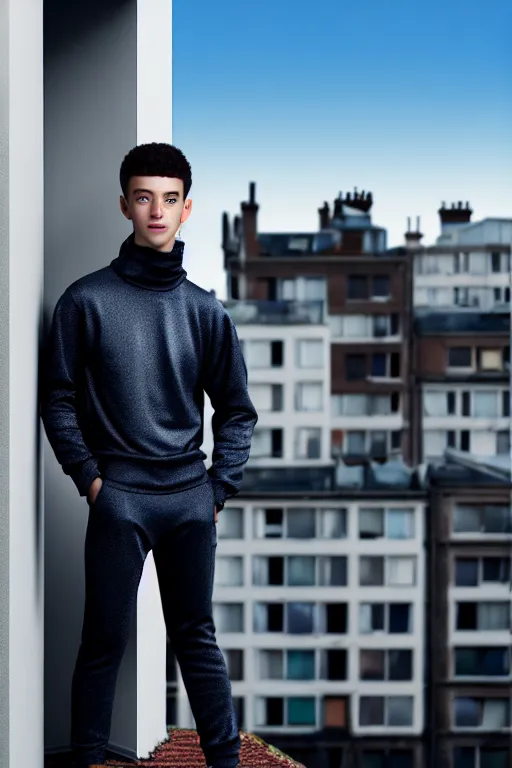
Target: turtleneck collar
[(148, 268)]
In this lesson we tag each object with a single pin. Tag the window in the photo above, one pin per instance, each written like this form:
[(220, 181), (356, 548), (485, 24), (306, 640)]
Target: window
[(488, 714), (335, 618), (481, 757), (335, 713), (300, 665), (489, 359), (333, 571), (308, 442), (267, 443), (333, 664), (371, 571), (474, 518), (460, 357), (264, 354), (385, 665), (471, 572), (489, 616), (234, 659), (461, 262), (355, 367), (495, 261), (485, 404), (333, 523), (228, 617), (365, 405), (377, 523), (309, 353), (400, 571), (268, 617), (357, 287), (229, 571), (308, 396), (503, 442), (301, 523), (300, 710), (380, 287), (482, 662), (392, 618), (231, 523), (267, 397), (300, 618), (386, 365), (393, 758), (394, 711)]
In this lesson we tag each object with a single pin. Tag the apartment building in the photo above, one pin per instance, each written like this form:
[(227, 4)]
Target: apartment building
[(468, 266), (462, 382), (319, 612), (367, 299), (470, 552)]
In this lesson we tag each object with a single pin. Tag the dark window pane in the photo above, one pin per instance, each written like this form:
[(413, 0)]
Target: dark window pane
[(300, 618), (400, 758), (465, 616), (276, 353), (336, 664), (274, 711), (336, 615), (496, 569), (466, 572), (467, 713), (399, 618), (495, 757), (379, 367), (459, 357), (357, 287), (371, 710), (380, 286), (372, 665), (400, 665), (464, 440), (355, 367), (464, 757), (451, 403)]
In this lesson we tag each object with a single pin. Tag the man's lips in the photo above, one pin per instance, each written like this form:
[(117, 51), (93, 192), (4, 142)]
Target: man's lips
[(156, 226)]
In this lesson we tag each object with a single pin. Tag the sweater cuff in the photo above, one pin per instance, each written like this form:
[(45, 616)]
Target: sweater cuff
[(219, 493), (83, 474)]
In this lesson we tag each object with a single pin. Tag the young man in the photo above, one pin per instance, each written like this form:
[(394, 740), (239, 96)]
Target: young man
[(133, 346)]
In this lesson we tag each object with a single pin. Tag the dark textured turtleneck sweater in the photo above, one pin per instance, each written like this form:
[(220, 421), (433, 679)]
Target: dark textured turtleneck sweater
[(132, 348)]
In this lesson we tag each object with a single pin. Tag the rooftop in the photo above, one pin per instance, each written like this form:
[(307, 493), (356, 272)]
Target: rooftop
[(182, 750)]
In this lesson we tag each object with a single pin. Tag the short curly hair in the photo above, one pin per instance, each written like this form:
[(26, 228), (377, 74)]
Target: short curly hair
[(155, 159)]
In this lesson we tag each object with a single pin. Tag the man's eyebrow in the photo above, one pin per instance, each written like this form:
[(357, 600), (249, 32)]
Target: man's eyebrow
[(149, 192)]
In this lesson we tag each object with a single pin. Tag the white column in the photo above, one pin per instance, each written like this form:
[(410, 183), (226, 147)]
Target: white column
[(21, 281)]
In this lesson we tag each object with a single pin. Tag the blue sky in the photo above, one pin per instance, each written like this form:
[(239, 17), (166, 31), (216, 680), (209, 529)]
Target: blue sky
[(411, 100)]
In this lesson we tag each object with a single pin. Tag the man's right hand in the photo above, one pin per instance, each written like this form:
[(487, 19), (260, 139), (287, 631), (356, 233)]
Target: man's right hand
[(94, 489)]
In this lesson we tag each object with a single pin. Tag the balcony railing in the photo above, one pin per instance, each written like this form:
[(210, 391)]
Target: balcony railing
[(284, 312)]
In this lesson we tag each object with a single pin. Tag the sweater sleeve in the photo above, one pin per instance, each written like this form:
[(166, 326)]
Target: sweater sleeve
[(62, 359), (234, 418)]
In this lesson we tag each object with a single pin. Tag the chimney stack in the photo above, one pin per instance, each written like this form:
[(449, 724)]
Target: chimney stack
[(249, 223), (412, 239), (325, 218), (454, 216)]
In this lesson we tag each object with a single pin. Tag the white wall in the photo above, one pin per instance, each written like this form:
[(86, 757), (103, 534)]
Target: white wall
[(105, 63), (21, 276)]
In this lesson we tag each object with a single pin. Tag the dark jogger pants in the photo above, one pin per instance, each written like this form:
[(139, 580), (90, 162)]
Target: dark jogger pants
[(180, 528)]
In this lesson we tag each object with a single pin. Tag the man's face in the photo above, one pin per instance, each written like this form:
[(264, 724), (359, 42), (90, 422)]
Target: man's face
[(155, 201)]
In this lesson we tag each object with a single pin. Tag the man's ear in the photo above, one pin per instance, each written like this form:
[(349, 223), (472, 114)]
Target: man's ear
[(124, 207)]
